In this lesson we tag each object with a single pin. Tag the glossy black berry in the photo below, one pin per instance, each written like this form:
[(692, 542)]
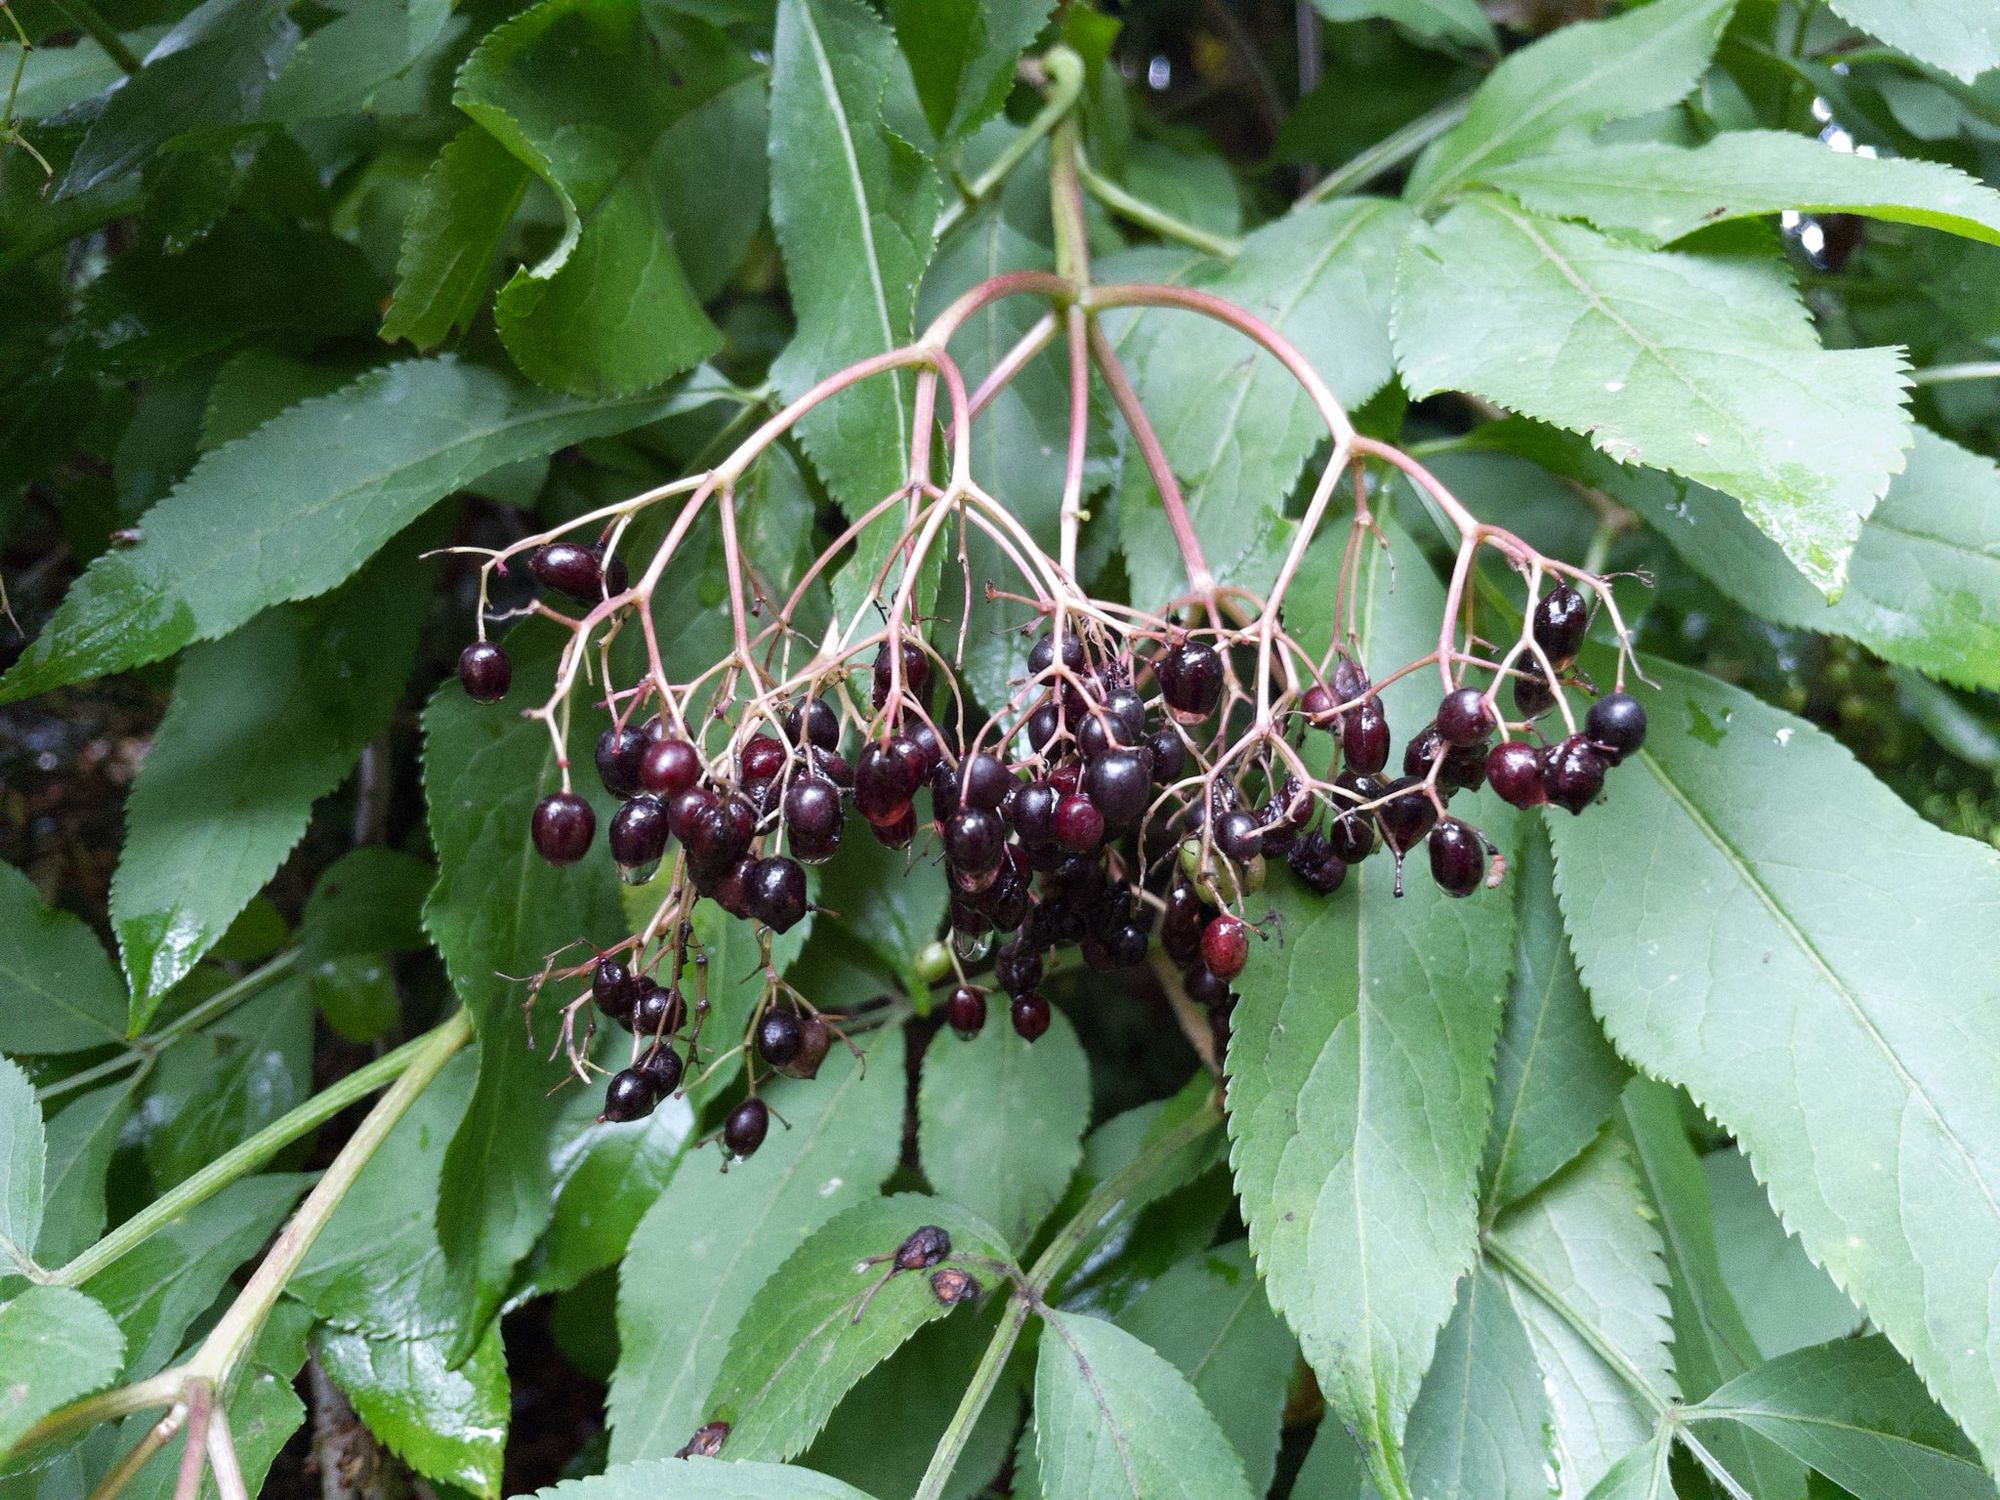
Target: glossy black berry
[(619, 753), (1118, 785), (1560, 622), (886, 777), (1514, 771), (975, 841), (1031, 812), (1042, 655), (916, 672), (1407, 816), (612, 987), (485, 672), (568, 569), (1615, 726), (1191, 679), (1079, 825), (813, 818), (1458, 859), (1127, 712), (1465, 717), (779, 1037), (1572, 773), (1206, 989), (745, 1128), (1312, 859), (656, 1011), (1422, 751), (761, 758), (776, 892), (639, 833), (1043, 725), (965, 1010), (984, 782), (663, 1069), (562, 827), (1238, 835), (1364, 737), (812, 721), (1030, 1014), (1169, 753), (629, 1096), (669, 766), (815, 1037), (1225, 946)]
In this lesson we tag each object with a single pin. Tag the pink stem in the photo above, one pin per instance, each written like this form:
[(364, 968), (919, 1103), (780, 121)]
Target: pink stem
[(1200, 580), (1078, 328)]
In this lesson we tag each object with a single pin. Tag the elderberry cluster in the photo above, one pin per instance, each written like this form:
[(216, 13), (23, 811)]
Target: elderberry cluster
[(1125, 788)]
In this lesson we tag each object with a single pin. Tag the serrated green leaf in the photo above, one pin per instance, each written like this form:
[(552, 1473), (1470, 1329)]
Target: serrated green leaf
[(854, 206), (1582, 1265), (81, 1139), (58, 991), (1787, 1301), (1654, 193), (260, 727), (160, 1287), (1480, 1425), (1359, 1071), (352, 64), (1712, 1344), (23, 1159), (55, 1345), (1237, 427), (607, 1176), (499, 909), (452, 237), (1855, 1412), (1209, 1318), (1113, 1419), (1439, 20), (1703, 365), (611, 309), (891, 913), (702, 1479), (370, 900), (298, 506), (447, 1423), (1962, 39), (1000, 1121), (1643, 1473), (830, 1314), (229, 1080), (1568, 84), (1780, 983), (725, 1233), (961, 54)]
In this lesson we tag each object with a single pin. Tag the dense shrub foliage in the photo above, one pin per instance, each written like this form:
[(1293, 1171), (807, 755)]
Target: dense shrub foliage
[(863, 748)]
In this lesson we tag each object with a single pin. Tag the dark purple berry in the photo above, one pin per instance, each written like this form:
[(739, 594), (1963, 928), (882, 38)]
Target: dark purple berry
[(1458, 859), (1119, 787), (975, 841), (886, 778), (1042, 655), (779, 1037), (612, 987), (568, 569), (926, 1246), (1169, 753), (688, 807), (899, 833), (1560, 622), (965, 1010), (1318, 705), (1206, 989), (812, 720), (1079, 825), (1533, 696), (1031, 812), (984, 782), (776, 892), (484, 671), (1191, 679), (656, 1011), (1238, 835), (1127, 712), (1364, 737), (1018, 968), (1408, 814), (812, 818), (619, 753), (1515, 772), (1420, 753), (815, 1037), (1572, 773), (1615, 726), (916, 672), (1465, 717), (663, 1068), (1030, 1015), (629, 1096), (1312, 859), (639, 833), (562, 828), (761, 758), (744, 1129), (669, 766)]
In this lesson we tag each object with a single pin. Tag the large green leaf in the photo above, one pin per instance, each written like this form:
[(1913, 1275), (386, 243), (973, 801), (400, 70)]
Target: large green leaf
[(1825, 993), (499, 909), (1961, 39), (724, 1234), (1707, 366), (855, 206), (1855, 1412), (58, 991), (55, 1345), (1569, 83), (81, 1140), (1786, 1300), (229, 1080), (961, 54), (830, 1314), (607, 1176), (297, 506), (1480, 1425), (1359, 1071), (355, 62), (260, 727), (1000, 1121), (1582, 1265), (451, 238), (611, 308), (1445, 20), (1555, 1077), (1654, 192), (23, 1160), (1209, 1318), (1236, 426), (702, 1479), (447, 1423), (1114, 1421)]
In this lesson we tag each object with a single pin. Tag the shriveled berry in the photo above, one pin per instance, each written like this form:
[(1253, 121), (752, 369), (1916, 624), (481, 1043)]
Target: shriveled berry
[(1119, 787), (1464, 768), (744, 1129), (1533, 696), (812, 721), (1514, 771), (1572, 773), (629, 1096), (611, 986), (925, 1247), (1465, 717), (639, 832), (562, 827), (1312, 859), (668, 766), (779, 1036), (952, 1286), (1030, 1015), (1018, 968), (619, 752), (663, 1069), (485, 672), (975, 841), (1560, 622), (1422, 751), (1225, 945), (568, 569), (1615, 726), (965, 1010), (1079, 825), (1191, 679), (1364, 737), (1458, 859), (815, 1037), (706, 1442), (776, 892)]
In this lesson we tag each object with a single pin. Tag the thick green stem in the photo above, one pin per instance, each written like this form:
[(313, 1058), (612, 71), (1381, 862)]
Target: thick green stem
[(86, 17), (985, 1380), (1151, 216), (243, 1158), (1065, 82), (1066, 205), (1391, 151)]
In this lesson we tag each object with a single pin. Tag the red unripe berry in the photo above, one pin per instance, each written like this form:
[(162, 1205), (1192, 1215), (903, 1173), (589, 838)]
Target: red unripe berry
[(1225, 946), (1079, 825)]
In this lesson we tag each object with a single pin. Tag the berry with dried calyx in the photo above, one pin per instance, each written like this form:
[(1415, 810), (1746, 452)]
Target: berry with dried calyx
[(925, 1247), (485, 672)]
